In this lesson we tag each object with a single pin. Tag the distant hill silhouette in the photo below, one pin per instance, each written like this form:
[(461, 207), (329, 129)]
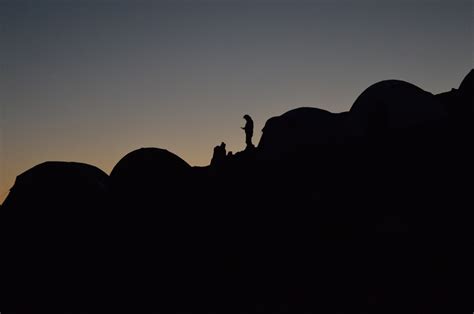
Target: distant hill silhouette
[(366, 211)]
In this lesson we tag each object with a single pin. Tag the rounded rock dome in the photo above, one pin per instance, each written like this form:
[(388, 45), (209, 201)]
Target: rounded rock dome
[(148, 168), (58, 183)]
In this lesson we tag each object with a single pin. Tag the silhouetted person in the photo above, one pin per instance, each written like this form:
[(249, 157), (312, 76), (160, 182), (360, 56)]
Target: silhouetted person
[(248, 131)]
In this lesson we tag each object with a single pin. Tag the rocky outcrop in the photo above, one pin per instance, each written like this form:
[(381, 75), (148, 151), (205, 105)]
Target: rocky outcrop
[(362, 211)]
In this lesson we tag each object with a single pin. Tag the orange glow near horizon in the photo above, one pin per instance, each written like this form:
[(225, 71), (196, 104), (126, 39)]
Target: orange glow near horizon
[(90, 81)]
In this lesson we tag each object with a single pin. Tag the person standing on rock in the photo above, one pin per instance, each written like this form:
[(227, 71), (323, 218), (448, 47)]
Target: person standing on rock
[(248, 131)]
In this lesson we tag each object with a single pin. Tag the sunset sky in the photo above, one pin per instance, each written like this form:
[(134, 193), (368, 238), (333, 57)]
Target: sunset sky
[(90, 81)]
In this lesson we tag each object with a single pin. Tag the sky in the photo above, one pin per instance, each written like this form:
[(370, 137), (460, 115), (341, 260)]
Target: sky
[(90, 81)]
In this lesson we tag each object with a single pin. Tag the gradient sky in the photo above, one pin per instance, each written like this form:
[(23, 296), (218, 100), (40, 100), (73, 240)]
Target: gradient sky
[(90, 81)]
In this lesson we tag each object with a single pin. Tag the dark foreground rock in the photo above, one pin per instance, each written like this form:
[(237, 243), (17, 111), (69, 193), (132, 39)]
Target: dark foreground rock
[(367, 211)]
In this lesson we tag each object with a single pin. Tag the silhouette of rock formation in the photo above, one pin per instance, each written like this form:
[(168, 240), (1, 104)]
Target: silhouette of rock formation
[(149, 168), (389, 108), (58, 185), (459, 102), (53, 219), (466, 91), (219, 155), (363, 211), (301, 128)]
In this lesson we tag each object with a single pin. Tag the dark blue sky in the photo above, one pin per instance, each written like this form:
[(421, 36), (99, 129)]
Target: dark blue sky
[(90, 81)]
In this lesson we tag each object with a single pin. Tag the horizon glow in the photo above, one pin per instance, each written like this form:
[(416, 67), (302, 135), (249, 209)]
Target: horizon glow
[(90, 81)]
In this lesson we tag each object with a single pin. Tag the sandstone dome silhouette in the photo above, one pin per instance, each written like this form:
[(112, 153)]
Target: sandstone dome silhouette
[(148, 168), (57, 183), (466, 90), (301, 127), (467, 83), (395, 104)]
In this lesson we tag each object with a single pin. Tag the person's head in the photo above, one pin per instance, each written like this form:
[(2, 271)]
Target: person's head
[(247, 117)]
